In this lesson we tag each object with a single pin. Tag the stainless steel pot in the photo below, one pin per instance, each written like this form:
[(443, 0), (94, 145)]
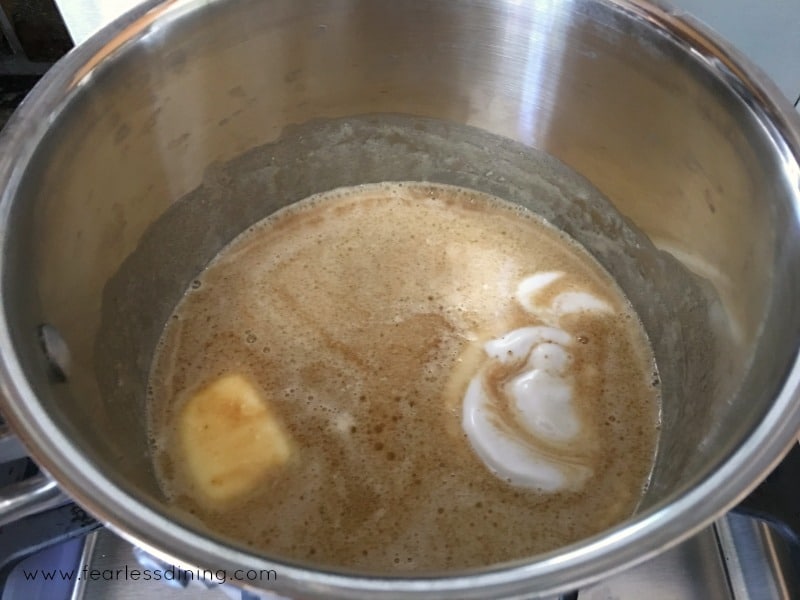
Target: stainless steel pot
[(689, 141)]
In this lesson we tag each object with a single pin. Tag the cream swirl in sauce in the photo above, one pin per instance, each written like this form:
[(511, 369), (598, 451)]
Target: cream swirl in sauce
[(518, 410)]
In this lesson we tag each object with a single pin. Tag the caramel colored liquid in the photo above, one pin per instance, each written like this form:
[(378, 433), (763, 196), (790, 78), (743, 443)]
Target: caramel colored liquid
[(352, 311)]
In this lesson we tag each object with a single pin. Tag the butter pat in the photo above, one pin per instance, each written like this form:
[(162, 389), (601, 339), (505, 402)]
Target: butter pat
[(230, 439)]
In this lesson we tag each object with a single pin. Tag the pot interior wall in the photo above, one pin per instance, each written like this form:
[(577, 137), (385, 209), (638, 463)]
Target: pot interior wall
[(675, 151)]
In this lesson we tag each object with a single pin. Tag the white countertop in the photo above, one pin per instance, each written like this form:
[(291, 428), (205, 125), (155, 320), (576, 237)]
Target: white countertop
[(766, 30)]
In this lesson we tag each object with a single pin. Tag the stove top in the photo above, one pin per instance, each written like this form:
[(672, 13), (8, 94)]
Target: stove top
[(63, 553)]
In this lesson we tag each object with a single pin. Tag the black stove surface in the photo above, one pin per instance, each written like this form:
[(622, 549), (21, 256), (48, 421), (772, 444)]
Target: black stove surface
[(33, 38)]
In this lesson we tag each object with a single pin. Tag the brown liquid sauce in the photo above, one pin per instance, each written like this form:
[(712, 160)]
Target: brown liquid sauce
[(355, 313)]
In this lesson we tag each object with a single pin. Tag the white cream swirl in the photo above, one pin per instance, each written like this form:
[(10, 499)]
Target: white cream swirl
[(518, 410)]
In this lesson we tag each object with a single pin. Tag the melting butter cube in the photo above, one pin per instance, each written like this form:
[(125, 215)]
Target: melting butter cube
[(230, 439)]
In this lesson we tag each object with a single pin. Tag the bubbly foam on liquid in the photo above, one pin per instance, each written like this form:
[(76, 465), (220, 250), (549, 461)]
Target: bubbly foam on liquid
[(455, 384)]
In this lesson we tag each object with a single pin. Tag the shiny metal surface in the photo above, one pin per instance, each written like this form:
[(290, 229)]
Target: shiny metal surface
[(104, 551), (760, 563), (30, 496), (737, 559), (687, 139), (86, 558), (744, 23), (693, 570)]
